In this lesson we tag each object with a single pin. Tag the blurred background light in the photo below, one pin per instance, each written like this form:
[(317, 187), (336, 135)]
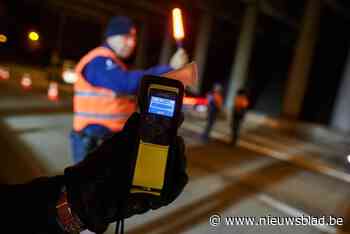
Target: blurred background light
[(69, 76), (3, 38), (33, 36)]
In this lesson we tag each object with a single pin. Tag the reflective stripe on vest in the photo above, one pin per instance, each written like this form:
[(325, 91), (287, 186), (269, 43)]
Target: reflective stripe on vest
[(96, 105)]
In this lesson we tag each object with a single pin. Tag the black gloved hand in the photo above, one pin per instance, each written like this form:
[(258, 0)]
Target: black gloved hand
[(97, 186)]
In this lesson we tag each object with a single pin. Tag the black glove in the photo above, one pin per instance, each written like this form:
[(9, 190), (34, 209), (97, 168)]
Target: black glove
[(98, 187)]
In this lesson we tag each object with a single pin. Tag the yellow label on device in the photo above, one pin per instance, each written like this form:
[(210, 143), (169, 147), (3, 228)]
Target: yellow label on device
[(150, 166)]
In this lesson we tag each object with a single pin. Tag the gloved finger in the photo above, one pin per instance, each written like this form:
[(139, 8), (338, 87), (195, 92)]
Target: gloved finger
[(179, 179), (180, 146), (181, 161), (123, 138), (133, 123), (109, 145), (181, 119)]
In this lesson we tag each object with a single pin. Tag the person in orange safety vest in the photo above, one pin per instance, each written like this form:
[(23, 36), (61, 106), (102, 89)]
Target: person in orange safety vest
[(105, 91), (241, 104), (215, 104)]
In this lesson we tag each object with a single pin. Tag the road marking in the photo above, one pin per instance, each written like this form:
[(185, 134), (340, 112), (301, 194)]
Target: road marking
[(287, 157), (287, 141), (291, 211), (298, 160), (291, 157), (270, 201)]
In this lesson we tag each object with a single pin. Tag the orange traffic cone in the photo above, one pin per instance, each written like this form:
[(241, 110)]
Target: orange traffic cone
[(26, 81), (4, 74), (52, 91)]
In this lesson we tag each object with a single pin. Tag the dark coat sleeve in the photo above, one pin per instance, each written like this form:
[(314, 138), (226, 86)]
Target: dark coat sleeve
[(30, 208)]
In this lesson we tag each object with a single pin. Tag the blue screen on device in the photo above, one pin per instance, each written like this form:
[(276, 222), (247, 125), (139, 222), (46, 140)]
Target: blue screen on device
[(162, 106)]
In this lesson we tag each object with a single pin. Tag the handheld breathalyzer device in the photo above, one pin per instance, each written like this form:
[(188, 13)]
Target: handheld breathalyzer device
[(160, 103)]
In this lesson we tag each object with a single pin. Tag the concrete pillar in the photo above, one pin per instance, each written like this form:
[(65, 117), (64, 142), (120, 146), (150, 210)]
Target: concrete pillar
[(201, 49), (302, 61), (167, 46), (242, 57), (341, 113), (141, 48)]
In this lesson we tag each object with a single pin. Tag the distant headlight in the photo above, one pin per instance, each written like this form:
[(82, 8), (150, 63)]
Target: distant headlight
[(4, 74), (201, 108), (69, 76)]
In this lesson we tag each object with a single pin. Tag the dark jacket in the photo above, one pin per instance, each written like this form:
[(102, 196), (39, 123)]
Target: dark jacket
[(31, 208)]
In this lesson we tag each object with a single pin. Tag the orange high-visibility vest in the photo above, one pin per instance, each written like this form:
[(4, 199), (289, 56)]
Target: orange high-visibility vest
[(97, 105), (241, 102), (218, 100)]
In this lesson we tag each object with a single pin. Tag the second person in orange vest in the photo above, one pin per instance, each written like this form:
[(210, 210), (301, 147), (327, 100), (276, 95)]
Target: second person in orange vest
[(241, 105), (215, 104), (105, 91)]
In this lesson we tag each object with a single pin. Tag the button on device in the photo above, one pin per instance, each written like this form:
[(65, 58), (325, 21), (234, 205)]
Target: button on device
[(157, 129)]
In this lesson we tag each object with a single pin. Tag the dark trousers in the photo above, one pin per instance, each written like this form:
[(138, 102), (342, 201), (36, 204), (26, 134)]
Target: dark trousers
[(236, 126), (212, 115)]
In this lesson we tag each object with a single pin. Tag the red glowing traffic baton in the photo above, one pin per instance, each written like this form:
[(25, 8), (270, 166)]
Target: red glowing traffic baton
[(178, 26)]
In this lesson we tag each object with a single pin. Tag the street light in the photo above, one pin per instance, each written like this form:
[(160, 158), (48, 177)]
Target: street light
[(33, 36), (3, 38)]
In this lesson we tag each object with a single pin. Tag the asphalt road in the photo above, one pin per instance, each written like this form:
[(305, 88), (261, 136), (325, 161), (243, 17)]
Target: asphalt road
[(270, 174)]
